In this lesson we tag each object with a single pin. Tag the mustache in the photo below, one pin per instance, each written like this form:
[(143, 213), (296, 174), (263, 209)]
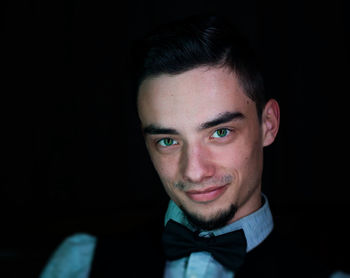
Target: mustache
[(219, 181)]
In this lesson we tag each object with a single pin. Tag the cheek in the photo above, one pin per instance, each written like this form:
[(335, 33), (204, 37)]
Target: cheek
[(232, 157), (244, 158), (250, 171), (168, 176), (166, 168)]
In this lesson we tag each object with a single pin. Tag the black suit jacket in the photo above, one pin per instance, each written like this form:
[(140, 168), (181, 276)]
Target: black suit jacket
[(278, 257), (132, 254)]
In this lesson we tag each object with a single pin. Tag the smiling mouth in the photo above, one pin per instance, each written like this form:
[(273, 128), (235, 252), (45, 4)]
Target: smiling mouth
[(206, 195)]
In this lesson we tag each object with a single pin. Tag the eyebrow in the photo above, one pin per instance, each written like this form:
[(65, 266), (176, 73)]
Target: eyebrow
[(154, 129), (221, 119)]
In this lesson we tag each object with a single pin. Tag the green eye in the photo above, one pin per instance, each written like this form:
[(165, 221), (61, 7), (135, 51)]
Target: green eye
[(166, 142), (222, 132)]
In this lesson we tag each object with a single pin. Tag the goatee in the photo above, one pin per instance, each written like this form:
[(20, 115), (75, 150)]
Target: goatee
[(218, 221)]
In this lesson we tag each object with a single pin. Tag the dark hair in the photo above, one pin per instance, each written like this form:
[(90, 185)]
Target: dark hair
[(201, 41)]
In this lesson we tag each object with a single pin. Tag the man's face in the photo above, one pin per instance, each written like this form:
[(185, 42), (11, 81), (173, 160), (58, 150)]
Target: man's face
[(205, 141)]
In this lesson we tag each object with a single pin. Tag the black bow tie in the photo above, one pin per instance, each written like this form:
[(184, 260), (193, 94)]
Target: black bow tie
[(228, 249)]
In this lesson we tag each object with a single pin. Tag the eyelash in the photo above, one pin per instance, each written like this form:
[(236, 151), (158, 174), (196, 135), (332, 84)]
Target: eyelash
[(165, 145), (175, 142), (228, 130)]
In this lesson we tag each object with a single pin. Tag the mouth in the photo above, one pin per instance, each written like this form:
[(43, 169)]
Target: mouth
[(207, 195)]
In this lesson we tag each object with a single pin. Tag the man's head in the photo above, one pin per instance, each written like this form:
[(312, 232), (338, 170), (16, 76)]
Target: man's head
[(205, 120)]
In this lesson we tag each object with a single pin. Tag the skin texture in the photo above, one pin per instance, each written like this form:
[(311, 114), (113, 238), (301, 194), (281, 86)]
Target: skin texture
[(205, 140)]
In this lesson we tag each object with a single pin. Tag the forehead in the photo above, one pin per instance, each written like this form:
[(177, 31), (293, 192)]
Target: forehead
[(191, 97)]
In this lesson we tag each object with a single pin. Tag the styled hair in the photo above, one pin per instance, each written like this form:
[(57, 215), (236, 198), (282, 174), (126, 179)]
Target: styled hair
[(198, 41)]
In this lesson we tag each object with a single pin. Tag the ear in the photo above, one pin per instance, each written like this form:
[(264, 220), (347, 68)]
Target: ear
[(270, 122)]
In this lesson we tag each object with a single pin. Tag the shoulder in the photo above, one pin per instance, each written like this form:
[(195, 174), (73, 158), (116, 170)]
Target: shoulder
[(72, 258)]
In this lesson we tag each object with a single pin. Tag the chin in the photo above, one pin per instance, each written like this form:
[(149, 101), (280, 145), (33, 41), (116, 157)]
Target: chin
[(215, 220)]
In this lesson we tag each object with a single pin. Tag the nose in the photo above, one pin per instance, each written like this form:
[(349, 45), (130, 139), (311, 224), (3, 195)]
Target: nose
[(196, 164)]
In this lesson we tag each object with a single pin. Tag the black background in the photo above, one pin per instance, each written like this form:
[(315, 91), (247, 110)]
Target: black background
[(72, 156)]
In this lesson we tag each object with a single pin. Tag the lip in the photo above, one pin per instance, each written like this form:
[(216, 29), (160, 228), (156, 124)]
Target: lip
[(206, 195)]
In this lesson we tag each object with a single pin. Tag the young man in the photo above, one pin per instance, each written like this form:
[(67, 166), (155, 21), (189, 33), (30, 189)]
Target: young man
[(205, 122)]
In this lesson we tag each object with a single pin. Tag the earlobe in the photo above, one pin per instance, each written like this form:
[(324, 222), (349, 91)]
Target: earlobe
[(270, 121)]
